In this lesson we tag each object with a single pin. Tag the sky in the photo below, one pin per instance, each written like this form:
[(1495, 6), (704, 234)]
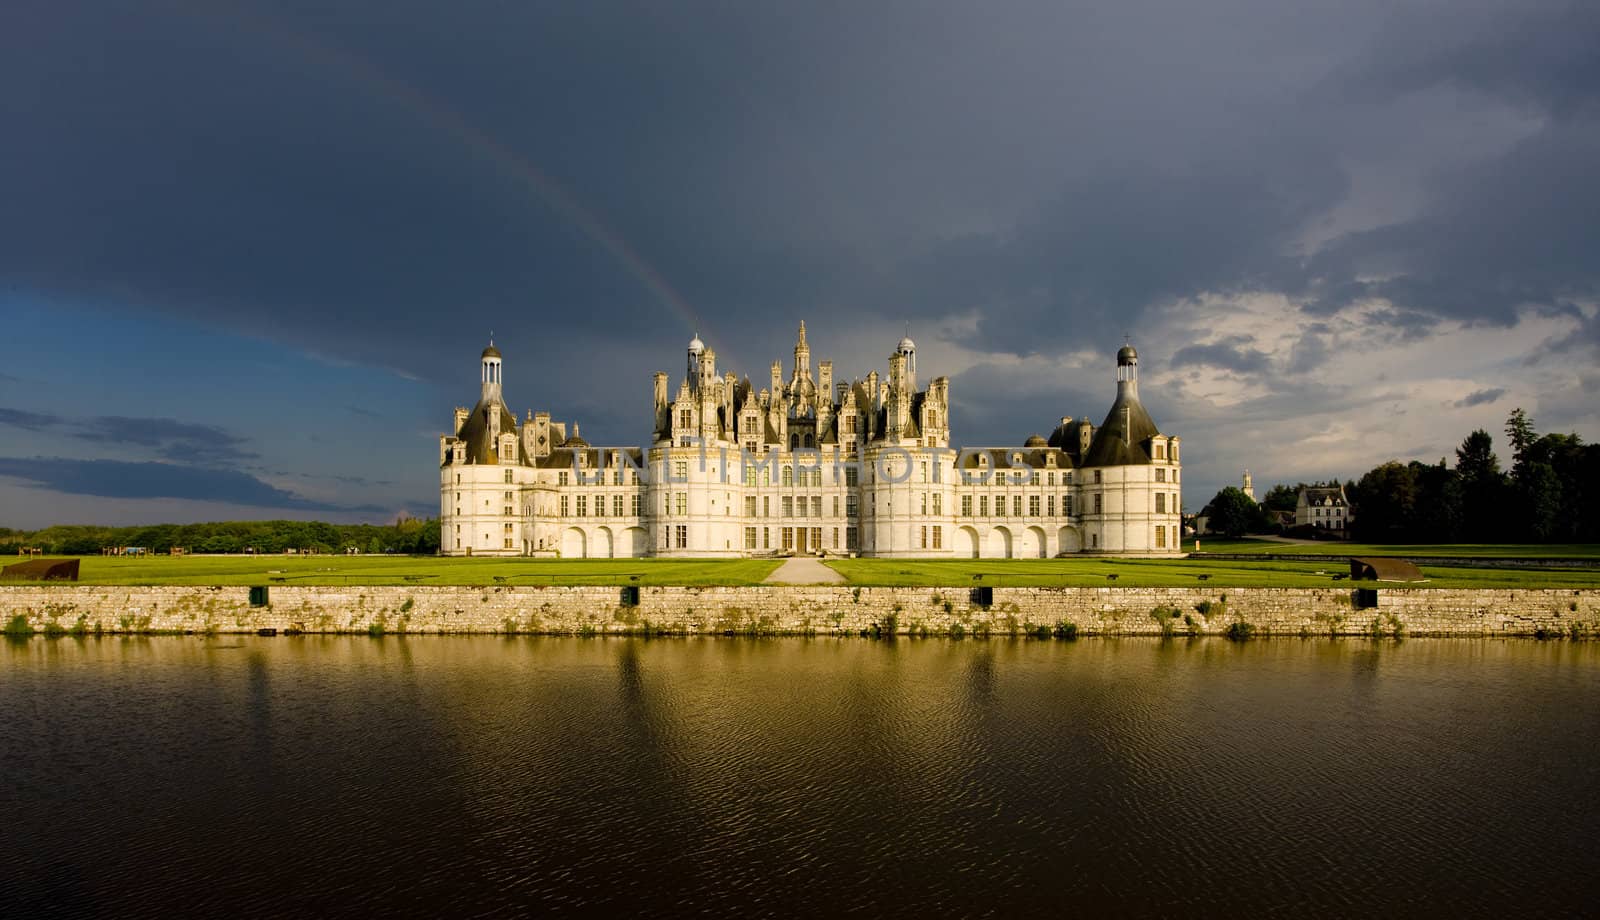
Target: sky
[(250, 251)]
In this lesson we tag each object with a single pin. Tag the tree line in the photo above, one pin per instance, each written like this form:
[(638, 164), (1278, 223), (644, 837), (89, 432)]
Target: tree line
[(1551, 494), (407, 536)]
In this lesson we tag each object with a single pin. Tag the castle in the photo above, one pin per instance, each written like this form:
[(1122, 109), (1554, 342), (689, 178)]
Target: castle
[(806, 464)]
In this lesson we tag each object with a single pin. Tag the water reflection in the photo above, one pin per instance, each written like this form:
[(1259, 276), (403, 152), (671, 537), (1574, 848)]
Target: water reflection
[(342, 775)]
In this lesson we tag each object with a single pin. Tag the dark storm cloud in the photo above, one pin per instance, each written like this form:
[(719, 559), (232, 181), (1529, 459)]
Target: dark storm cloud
[(1480, 397), (28, 421), (136, 480), (168, 438), (163, 437), (385, 182)]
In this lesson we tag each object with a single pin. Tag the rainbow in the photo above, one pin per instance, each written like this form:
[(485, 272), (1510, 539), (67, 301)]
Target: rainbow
[(518, 167)]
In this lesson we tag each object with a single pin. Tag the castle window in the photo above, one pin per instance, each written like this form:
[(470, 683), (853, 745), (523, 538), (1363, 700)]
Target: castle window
[(966, 506), (638, 504), (508, 475), (1050, 478), (1033, 478), (681, 532), (563, 478), (924, 498), (616, 505), (788, 476), (983, 506), (685, 419), (938, 503), (1161, 503), (938, 537), (681, 500), (766, 506), (680, 470), (1033, 505), (852, 476), (1016, 505), (563, 506), (1161, 452), (1097, 503), (852, 538), (1066, 505), (850, 507), (1000, 506), (1161, 536), (1161, 474), (788, 506), (1097, 477), (835, 538), (1050, 505), (788, 538), (750, 506), (816, 506), (924, 538), (766, 538), (836, 506), (749, 538), (583, 505)]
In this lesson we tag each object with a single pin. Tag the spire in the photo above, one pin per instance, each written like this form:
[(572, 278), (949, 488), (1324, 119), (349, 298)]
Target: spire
[(802, 342)]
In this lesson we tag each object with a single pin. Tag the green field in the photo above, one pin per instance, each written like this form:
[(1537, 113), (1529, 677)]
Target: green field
[(1453, 550), (1084, 572), (1186, 573), (420, 570)]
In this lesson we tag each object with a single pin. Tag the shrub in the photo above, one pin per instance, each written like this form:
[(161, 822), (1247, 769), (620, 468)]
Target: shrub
[(1039, 632), (19, 626), (957, 630), (1066, 630), (1239, 631), (1164, 617)]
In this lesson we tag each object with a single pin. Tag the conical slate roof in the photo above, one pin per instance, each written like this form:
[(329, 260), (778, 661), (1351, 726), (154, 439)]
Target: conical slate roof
[(475, 431), (1120, 440)]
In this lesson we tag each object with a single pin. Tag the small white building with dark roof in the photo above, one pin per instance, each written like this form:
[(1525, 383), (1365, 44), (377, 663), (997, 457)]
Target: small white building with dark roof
[(1324, 508), (806, 465)]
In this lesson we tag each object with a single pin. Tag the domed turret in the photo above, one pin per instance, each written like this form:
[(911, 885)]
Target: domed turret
[(696, 347), (1035, 441), (1126, 355), (489, 366)]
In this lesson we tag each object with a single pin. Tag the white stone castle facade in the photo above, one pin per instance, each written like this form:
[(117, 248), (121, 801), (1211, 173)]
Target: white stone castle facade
[(806, 464)]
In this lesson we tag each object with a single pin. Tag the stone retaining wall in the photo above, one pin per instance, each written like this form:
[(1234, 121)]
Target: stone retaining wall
[(782, 610)]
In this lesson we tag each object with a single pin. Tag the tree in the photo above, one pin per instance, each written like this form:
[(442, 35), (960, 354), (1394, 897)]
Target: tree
[(1231, 512), (1282, 498), (1483, 488), (1519, 431), (1383, 502)]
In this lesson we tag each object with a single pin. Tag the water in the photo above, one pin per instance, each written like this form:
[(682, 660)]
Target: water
[(343, 776)]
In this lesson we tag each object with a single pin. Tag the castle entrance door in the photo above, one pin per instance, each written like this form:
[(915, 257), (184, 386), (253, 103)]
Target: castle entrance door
[(800, 540)]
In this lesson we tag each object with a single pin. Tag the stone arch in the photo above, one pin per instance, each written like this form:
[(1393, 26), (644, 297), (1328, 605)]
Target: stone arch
[(573, 544), (967, 545), (1069, 541), (1037, 545), (999, 544), (638, 542), (605, 545)]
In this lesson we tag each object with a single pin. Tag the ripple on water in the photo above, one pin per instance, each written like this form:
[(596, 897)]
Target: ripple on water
[(346, 776)]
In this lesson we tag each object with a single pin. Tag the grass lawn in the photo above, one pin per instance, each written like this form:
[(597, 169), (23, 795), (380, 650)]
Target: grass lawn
[(1455, 550), (421, 570), (1184, 573)]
